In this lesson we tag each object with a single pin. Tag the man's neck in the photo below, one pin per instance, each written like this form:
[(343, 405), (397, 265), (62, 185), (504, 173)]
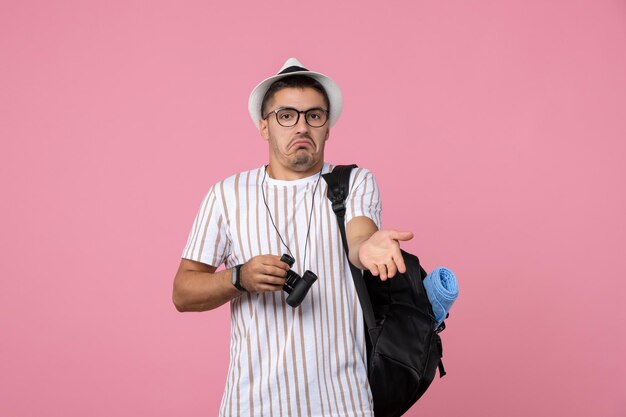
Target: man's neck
[(278, 172)]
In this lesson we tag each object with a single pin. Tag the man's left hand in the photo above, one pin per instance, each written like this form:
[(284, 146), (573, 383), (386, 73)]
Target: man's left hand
[(381, 255)]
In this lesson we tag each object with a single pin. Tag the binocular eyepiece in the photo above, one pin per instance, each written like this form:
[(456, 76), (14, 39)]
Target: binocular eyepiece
[(295, 285)]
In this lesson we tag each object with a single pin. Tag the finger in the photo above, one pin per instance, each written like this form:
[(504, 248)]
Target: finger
[(398, 235), (391, 269), (399, 261), (273, 270), (275, 261), (383, 271), (272, 280), (374, 270)]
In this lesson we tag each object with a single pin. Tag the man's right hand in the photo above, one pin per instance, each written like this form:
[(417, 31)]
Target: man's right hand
[(263, 273)]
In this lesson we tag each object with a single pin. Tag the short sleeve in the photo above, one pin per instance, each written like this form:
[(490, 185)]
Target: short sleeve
[(208, 240), (364, 197)]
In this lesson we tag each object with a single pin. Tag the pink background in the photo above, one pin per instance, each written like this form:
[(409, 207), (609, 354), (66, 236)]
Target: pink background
[(496, 131)]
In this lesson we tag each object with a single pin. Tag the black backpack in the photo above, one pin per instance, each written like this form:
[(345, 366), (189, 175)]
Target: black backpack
[(403, 348)]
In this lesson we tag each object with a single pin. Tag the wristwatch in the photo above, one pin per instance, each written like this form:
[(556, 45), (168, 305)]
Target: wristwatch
[(236, 277)]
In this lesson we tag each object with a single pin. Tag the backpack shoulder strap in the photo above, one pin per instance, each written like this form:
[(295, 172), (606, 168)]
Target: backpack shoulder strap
[(338, 188)]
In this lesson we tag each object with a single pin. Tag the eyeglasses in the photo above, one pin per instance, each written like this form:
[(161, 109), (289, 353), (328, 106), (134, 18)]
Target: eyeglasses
[(288, 116)]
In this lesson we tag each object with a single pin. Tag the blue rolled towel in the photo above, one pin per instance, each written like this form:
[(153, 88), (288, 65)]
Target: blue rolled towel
[(442, 290)]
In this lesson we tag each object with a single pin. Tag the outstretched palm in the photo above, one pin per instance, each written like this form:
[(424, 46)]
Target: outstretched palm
[(381, 255)]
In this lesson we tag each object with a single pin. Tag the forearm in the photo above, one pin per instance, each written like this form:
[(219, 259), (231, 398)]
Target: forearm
[(358, 231), (354, 251), (202, 291)]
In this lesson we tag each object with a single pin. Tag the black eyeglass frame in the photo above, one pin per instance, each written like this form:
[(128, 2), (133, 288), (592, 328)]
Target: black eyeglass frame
[(298, 112)]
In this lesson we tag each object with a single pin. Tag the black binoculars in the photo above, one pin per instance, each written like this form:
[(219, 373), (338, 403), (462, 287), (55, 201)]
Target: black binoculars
[(295, 285)]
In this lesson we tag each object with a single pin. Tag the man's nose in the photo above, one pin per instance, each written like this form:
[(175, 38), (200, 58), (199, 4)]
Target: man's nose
[(302, 125)]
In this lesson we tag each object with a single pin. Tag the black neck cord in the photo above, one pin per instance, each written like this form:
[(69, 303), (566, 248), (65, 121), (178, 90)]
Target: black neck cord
[(310, 214)]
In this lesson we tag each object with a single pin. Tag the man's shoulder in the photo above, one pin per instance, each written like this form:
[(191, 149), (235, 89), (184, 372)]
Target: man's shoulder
[(358, 175), (230, 181), (358, 171)]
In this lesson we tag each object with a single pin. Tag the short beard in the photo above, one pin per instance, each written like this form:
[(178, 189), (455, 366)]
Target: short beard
[(301, 162)]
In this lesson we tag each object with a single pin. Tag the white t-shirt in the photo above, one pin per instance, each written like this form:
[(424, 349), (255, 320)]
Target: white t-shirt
[(285, 361)]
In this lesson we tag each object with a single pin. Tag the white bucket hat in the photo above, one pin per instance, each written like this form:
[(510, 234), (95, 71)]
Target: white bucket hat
[(293, 67)]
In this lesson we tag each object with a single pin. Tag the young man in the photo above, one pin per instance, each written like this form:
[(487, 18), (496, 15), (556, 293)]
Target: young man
[(308, 360)]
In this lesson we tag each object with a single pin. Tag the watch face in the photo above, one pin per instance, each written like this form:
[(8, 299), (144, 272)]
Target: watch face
[(233, 278)]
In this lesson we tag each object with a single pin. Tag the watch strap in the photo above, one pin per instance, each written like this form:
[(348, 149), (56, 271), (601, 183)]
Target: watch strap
[(237, 278)]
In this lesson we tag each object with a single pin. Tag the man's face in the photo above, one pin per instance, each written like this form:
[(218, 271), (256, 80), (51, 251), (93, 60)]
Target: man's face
[(300, 147)]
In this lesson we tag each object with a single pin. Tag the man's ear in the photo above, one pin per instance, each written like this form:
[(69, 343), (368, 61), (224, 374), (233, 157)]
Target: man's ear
[(264, 129), (327, 135)]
